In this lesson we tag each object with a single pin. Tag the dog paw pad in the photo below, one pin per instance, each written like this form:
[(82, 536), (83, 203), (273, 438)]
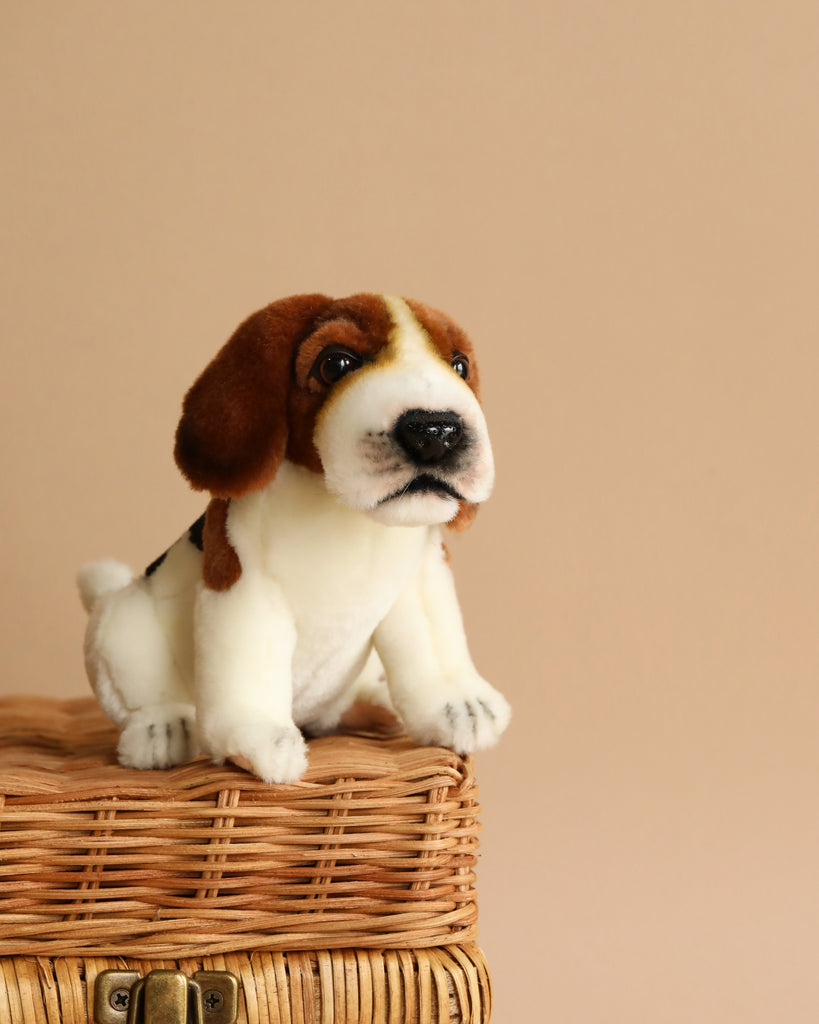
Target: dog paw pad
[(158, 738), (276, 753)]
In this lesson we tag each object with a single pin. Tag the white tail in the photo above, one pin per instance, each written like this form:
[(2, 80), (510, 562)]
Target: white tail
[(100, 578)]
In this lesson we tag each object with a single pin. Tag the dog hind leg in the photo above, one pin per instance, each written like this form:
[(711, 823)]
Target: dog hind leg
[(137, 679)]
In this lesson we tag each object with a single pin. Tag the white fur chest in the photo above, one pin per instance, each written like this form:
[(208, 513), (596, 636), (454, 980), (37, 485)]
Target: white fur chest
[(339, 572)]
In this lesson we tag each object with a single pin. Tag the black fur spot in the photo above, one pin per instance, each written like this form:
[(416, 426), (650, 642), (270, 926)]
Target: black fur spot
[(195, 532), (155, 564)]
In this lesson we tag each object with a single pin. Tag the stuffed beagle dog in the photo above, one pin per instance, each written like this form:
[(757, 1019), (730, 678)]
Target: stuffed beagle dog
[(334, 439)]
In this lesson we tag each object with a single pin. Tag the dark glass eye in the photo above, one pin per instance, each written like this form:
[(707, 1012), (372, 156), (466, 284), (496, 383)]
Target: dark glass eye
[(460, 364), (335, 363)]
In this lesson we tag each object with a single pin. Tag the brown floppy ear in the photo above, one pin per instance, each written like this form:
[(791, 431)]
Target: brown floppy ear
[(463, 517), (233, 432)]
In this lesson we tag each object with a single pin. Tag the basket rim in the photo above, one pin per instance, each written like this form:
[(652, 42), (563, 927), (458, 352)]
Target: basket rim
[(67, 748)]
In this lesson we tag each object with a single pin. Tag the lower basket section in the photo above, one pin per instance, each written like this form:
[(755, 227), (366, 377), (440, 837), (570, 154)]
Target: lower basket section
[(439, 985)]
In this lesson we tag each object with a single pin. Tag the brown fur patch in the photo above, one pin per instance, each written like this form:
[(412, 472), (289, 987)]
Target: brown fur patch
[(464, 517), (233, 432), (447, 337), (221, 567), (361, 324), (447, 554), (367, 311)]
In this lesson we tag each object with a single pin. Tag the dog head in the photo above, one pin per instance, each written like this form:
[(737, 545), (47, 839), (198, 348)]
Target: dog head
[(378, 393)]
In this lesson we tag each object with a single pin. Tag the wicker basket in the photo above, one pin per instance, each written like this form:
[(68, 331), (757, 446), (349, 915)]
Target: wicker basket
[(348, 896)]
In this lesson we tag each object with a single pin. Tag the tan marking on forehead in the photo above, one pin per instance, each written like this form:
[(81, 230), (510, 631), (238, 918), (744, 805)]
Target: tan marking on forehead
[(407, 336), (447, 337)]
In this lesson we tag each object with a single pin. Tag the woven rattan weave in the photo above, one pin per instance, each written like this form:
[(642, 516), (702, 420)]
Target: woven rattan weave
[(374, 849), (432, 986)]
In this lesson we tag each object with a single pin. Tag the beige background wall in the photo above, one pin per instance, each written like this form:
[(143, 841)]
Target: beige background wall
[(619, 201)]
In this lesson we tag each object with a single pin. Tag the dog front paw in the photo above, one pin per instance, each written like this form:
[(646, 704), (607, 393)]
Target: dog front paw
[(276, 753), (471, 718), (158, 737)]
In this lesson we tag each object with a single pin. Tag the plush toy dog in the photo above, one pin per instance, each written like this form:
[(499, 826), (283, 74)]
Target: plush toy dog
[(334, 438)]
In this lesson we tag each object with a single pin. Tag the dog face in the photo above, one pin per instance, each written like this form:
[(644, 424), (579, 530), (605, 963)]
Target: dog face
[(380, 394), (403, 436)]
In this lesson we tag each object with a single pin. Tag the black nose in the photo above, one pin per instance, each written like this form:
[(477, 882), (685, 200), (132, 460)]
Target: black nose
[(428, 437)]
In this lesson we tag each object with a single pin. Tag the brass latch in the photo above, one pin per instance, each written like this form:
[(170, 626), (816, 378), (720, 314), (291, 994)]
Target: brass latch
[(166, 997)]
